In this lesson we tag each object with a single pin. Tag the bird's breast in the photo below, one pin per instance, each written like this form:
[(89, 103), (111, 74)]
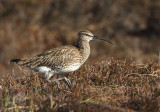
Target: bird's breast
[(69, 68)]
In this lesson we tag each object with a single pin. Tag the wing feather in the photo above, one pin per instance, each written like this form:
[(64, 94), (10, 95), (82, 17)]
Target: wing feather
[(55, 58)]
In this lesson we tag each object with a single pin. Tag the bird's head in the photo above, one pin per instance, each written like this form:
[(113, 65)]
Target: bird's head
[(87, 36)]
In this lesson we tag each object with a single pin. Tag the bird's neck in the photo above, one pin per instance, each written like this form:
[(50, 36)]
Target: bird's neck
[(84, 49)]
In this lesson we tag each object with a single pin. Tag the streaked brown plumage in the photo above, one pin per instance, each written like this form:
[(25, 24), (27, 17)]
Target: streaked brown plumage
[(62, 59)]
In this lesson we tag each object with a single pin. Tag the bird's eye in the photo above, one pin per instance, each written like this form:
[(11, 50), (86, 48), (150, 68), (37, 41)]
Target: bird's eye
[(87, 35)]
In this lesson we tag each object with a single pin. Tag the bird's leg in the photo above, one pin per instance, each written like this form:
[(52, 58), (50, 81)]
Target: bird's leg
[(48, 79), (48, 76), (68, 82), (57, 81), (65, 79)]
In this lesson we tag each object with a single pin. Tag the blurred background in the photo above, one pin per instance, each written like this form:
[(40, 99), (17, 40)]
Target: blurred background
[(28, 27)]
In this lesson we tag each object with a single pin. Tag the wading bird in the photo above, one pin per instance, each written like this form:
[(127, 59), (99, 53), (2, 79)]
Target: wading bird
[(61, 60)]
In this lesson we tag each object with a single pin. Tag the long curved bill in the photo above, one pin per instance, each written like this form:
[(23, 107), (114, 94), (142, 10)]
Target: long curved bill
[(97, 37)]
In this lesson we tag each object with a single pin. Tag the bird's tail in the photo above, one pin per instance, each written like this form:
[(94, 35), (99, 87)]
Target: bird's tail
[(30, 62), (15, 61)]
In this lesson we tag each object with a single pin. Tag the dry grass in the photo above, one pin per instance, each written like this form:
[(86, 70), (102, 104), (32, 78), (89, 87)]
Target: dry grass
[(28, 27), (111, 85)]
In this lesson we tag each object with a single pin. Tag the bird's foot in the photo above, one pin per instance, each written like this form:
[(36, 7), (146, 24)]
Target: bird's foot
[(68, 82), (59, 79)]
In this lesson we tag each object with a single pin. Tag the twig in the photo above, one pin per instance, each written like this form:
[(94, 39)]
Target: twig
[(22, 107), (152, 74)]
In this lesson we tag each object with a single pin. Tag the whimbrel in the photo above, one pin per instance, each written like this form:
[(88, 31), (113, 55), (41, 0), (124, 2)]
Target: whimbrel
[(61, 60)]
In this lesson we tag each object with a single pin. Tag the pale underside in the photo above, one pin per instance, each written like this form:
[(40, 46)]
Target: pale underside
[(48, 71)]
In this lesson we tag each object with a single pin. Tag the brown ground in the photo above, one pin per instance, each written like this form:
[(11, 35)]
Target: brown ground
[(128, 81)]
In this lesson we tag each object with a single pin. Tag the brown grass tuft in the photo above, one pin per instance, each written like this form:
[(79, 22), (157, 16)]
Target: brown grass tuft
[(111, 85)]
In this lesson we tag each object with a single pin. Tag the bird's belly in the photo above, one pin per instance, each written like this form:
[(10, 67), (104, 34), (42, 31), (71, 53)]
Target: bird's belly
[(69, 68), (58, 70), (42, 69)]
